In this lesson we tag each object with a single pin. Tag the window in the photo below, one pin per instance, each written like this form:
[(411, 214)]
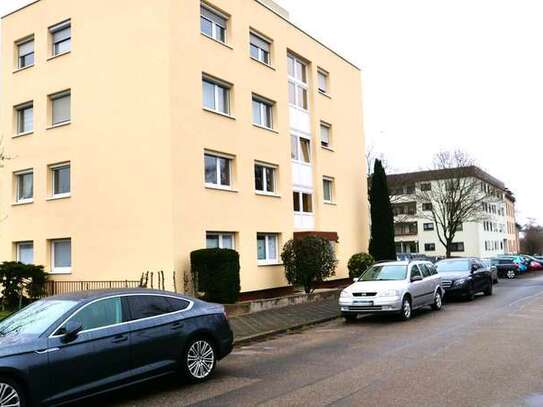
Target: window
[(262, 112), (297, 85), (60, 108), (177, 304), (216, 96), (427, 207), (25, 252), (426, 187), (218, 170), (457, 247), (407, 208), (328, 189), (60, 180), (300, 149), (216, 240), (302, 202), (260, 49), (25, 118), (323, 81), (25, 53), (425, 270), (428, 226), (410, 189), (265, 178), (325, 134), (61, 35), (267, 248), (213, 24), (24, 181), (61, 256), (99, 314), (415, 271), (429, 247), (405, 228), (147, 306)]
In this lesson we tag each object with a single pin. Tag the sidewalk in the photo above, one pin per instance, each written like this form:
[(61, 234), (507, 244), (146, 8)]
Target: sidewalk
[(263, 323)]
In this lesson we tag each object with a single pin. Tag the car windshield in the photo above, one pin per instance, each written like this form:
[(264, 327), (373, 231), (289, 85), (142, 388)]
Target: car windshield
[(452, 266), (35, 319), (385, 273)]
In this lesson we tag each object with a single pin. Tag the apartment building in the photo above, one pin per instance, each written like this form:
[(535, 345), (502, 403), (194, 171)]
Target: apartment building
[(415, 232), (139, 131)]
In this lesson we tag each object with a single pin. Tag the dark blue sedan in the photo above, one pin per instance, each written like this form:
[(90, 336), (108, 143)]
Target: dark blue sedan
[(69, 347)]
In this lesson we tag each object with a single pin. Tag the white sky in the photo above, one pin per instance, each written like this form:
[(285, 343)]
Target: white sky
[(442, 74)]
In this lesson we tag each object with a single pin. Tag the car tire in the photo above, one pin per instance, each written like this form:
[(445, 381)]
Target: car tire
[(470, 296), (199, 359), (350, 317), (489, 289), (438, 301), (511, 274), (12, 392), (407, 310)]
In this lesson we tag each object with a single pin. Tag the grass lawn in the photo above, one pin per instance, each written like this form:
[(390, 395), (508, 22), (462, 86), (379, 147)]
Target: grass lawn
[(4, 314)]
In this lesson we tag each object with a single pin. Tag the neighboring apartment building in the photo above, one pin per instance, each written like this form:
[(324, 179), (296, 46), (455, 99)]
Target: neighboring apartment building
[(139, 131), (415, 233)]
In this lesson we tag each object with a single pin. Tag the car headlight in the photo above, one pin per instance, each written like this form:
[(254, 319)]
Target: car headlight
[(389, 293), (462, 281), (345, 294)]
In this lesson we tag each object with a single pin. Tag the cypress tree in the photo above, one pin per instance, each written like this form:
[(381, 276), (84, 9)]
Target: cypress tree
[(382, 220)]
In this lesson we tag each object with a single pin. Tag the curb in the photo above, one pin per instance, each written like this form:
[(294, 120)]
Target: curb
[(244, 339)]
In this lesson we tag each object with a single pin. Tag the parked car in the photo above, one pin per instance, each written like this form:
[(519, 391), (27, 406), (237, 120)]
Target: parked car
[(69, 347), (534, 264), (465, 277), (493, 270), (506, 267), (393, 287)]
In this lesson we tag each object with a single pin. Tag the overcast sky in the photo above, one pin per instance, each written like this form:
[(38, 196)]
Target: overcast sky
[(443, 74)]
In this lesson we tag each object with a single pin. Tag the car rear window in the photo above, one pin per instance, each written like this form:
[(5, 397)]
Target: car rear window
[(177, 304)]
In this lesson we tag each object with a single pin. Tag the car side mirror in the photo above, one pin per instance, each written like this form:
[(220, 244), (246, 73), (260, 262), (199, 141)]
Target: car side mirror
[(474, 268), (71, 330), (416, 278)]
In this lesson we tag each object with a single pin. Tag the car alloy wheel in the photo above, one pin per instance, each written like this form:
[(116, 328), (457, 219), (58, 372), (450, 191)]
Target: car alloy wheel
[(9, 396), (438, 303), (510, 274), (200, 359), (406, 309)]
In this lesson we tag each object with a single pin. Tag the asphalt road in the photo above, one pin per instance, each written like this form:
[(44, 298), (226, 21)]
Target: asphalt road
[(485, 353)]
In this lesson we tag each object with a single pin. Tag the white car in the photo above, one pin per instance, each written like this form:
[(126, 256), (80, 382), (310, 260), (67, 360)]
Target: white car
[(393, 287)]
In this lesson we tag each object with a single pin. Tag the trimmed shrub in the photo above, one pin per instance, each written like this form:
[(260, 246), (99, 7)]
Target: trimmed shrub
[(21, 283), (217, 274), (308, 261), (358, 263)]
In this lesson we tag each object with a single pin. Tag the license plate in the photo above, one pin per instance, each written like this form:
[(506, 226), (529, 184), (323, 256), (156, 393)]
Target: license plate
[(366, 303)]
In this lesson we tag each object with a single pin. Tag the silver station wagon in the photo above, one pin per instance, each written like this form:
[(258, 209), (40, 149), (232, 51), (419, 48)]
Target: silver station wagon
[(393, 287)]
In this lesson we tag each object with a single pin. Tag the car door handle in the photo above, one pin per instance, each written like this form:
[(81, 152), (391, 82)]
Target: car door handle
[(43, 352), (177, 325), (120, 338)]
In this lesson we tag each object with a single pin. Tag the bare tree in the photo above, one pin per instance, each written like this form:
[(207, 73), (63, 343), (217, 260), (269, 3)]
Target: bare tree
[(371, 156), (532, 240), (456, 195)]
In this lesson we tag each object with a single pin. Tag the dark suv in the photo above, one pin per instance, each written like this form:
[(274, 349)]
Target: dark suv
[(465, 277)]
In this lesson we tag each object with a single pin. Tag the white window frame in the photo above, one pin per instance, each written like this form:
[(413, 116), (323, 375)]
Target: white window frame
[(298, 152), (218, 171), (331, 182), (263, 105), (260, 51), (265, 178), (18, 250), (299, 83), (214, 31), (52, 169), (21, 43), (18, 177), (268, 260), (19, 111), (60, 270), (321, 73), (221, 236), (301, 202), (216, 85), (53, 98), (57, 28), (328, 127)]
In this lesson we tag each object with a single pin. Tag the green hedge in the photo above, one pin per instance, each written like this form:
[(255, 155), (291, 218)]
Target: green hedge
[(217, 274)]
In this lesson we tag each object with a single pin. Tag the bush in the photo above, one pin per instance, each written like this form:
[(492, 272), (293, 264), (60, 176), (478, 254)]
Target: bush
[(217, 274), (358, 263), (21, 283), (308, 261)]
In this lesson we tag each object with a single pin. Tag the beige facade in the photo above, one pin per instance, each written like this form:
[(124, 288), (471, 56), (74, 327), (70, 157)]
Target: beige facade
[(123, 105), (513, 243)]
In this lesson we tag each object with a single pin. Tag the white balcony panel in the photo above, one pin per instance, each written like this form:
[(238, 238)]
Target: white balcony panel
[(304, 221), (302, 176), (299, 120)]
